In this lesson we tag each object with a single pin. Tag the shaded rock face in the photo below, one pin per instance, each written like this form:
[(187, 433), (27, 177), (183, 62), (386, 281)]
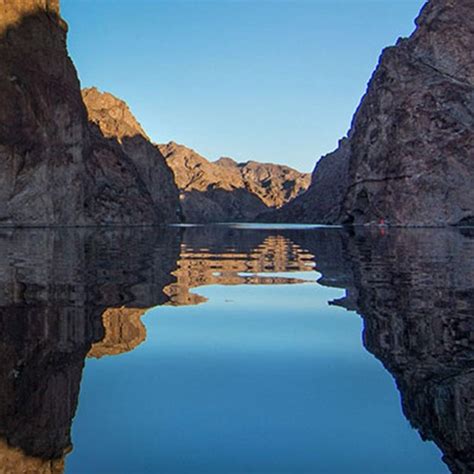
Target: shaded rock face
[(54, 168), (322, 202), (411, 142), (114, 121), (229, 191), (414, 290), (62, 294)]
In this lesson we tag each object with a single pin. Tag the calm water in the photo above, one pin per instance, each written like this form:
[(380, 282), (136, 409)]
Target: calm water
[(237, 349)]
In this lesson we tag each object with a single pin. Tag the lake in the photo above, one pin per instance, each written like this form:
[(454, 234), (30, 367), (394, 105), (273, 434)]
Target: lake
[(237, 349)]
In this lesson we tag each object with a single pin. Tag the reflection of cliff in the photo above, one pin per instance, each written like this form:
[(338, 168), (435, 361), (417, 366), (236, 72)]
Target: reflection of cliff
[(56, 290), (237, 260), (67, 294), (415, 292), (123, 329), (13, 460)]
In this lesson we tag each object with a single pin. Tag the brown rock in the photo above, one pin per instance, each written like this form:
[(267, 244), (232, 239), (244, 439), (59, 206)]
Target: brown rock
[(229, 191), (112, 119), (411, 143), (55, 169), (322, 202)]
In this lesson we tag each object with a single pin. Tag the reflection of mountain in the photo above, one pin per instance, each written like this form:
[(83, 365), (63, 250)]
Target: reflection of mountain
[(14, 460), (123, 331), (415, 292), (69, 294), (55, 286), (238, 257)]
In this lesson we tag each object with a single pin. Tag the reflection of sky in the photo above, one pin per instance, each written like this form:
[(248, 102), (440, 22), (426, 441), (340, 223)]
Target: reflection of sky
[(261, 379)]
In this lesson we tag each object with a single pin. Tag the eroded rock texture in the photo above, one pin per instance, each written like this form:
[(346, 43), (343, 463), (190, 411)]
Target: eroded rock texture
[(410, 150), (54, 167), (322, 202), (114, 121), (229, 191)]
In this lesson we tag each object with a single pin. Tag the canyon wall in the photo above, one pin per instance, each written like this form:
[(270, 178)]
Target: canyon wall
[(55, 167), (408, 156)]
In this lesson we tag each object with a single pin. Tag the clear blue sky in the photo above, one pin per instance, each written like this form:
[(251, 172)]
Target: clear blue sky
[(253, 79)]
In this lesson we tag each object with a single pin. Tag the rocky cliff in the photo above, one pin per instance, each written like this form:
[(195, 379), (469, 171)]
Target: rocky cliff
[(55, 167), (229, 191), (408, 156), (114, 121)]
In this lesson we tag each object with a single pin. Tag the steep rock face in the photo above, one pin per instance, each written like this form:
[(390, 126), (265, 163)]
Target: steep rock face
[(54, 168), (226, 190), (412, 139), (411, 143), (322, 202), (116, 123)]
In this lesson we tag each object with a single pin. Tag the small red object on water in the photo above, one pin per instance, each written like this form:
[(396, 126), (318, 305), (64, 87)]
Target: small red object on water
[(382, 221)]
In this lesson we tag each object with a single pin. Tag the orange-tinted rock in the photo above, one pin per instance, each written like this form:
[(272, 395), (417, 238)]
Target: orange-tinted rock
[(124, 331), (113, 120), (229, 191)]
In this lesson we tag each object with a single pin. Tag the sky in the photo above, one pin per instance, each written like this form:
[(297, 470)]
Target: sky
[(265, 80)]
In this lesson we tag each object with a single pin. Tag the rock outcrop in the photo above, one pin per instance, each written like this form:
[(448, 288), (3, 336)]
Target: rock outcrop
[(229, 191), (322, 202), (115, 122), (408, 158), (55, 168)]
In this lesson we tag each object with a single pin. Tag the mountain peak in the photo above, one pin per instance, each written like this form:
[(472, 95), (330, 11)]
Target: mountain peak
[(111, 114), (226, 161)]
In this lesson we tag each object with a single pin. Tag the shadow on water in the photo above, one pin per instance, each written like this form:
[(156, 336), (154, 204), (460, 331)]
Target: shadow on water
[(70, 294)]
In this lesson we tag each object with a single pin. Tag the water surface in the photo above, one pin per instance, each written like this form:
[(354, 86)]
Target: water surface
[(237, 349)]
